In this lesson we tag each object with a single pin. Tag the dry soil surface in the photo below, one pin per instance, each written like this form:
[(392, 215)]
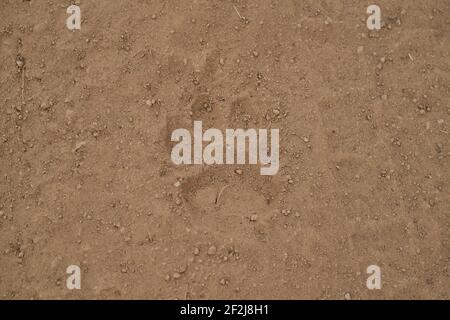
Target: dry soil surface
[(86, 176)]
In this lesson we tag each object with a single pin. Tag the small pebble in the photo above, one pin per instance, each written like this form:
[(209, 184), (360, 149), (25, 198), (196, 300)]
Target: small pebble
[(19, 63), (212, 250)]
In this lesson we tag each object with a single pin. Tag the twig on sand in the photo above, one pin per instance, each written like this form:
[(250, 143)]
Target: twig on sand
[(186, 292), (238, 13), (23, 86), (220, 194)]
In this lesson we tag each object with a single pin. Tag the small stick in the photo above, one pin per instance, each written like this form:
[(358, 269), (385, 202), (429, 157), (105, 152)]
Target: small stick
[(238, 13), (23, 86), (220, 193), (186, 292)]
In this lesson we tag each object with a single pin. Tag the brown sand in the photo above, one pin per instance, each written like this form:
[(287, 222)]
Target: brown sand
[(85, 170)]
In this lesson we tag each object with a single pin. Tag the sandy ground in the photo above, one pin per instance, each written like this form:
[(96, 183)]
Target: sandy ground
[(86, 176)]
